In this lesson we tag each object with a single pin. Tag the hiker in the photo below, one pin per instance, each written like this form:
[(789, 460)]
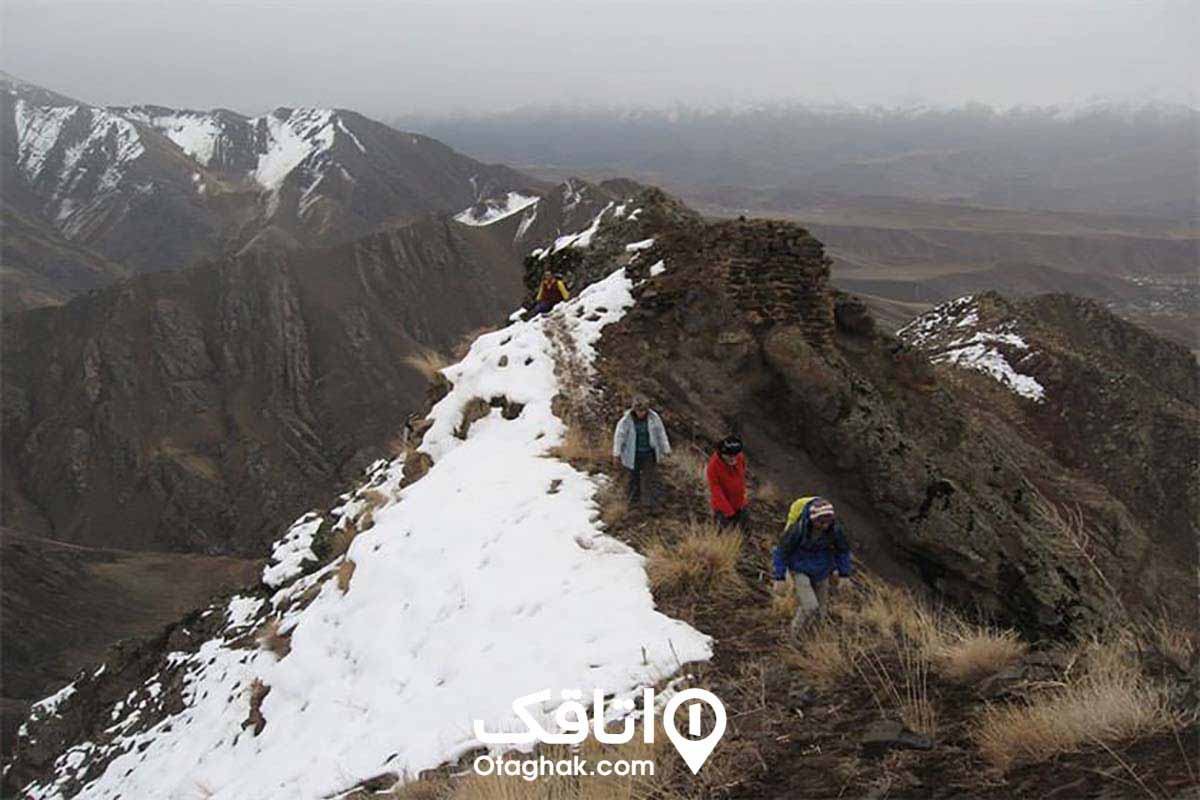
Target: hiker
[(727, 482), (639, 443), (550, 293), (814, 549)]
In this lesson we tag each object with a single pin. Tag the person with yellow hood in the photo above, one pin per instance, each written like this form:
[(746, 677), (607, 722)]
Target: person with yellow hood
[(814, 550)]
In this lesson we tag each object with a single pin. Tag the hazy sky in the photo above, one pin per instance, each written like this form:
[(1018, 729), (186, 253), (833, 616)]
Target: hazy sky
[(386, 58)]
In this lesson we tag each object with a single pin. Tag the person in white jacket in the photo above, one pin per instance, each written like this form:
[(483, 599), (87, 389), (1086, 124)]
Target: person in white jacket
[(639, 444)]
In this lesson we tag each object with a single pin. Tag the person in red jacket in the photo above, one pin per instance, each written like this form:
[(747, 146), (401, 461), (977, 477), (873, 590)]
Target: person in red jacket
[(727, 482)]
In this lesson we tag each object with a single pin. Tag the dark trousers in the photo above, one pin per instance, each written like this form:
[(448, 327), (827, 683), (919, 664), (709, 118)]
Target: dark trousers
[(739, 519), (642, 478)]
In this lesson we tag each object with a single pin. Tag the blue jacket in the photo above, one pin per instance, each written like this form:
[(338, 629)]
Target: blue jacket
[(798, 551)]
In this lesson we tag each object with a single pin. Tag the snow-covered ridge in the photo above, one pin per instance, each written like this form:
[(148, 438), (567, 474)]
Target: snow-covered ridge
[(487, 579), (88, 151), (493, 210), (951, 334)]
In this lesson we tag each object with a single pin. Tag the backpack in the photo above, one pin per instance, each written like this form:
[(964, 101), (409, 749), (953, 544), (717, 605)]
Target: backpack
[(796, 510)]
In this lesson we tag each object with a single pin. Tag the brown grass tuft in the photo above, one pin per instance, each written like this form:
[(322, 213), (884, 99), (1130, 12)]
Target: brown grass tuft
[(269, 637), (460, 350), (767, 491), (342, 537), (702, 560), (587, 446), (826, 657), (691, 464), (373, 498), (255, 719), (1175, 644), (613, 500), (976, 652), (1112, 700), (427, 362), (345, 572)]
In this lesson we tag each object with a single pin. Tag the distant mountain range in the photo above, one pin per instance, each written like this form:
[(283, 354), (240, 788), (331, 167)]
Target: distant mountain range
[(1102, 156), (155, 188)]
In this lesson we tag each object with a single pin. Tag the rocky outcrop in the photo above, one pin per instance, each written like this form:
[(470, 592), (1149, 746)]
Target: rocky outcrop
[(933, 486)]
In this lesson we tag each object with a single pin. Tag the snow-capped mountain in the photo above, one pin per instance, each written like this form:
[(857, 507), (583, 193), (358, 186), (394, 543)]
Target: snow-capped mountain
[(157, 187)]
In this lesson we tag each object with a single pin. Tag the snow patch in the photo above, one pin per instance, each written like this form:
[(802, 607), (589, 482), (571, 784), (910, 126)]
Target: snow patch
[(494, 210)]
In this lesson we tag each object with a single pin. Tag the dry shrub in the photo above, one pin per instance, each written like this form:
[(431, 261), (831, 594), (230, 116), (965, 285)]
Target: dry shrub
[(905, 689), (460, 350), (476, 409), (1175, 644), (255, 719), (826, 656), (768, 492), (1108, 701), (691, 464), (783, 606), (373, 498), (976, 652), (614, 504), (339, 543), (429, 363), (345, 572), (424, 789), (702, 560), (583, 445), (887, 638), (473, 786), (270, 637)]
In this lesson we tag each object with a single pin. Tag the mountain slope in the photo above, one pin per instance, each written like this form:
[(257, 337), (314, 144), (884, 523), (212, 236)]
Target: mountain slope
[(39, 267), (474, 640), (398, 601), (156, 188), (1109, 399), (191, 410)]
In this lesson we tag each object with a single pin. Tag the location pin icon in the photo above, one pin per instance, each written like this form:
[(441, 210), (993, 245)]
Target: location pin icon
[(695, 752)]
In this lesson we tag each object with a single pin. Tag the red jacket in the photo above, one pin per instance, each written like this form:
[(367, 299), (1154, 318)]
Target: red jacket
[(727, 485)]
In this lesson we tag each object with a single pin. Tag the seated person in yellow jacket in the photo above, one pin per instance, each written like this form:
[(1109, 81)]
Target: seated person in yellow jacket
[(551, 292)]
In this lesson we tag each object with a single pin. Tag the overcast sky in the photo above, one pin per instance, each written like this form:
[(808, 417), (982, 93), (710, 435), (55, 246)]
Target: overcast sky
[(386, 58)]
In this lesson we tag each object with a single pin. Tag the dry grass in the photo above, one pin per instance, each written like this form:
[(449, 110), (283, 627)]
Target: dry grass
[(767, 491), (905, 689), (1175, 644), (460, 350), (270, 638), (885, 637), (345, 572), (373, 498), (703, 560), (826, 657), (613, 500), (255, 719), (428, 362), (975, 652), (580, 445), (691, 464), (783, 606), (339, 543), (1111, 700)]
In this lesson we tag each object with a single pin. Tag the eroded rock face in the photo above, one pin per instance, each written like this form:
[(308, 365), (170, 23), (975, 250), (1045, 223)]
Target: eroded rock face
[(743, 333)]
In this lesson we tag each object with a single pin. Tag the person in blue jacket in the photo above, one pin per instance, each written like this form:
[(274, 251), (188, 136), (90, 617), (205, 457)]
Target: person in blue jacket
[(814, 549)]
